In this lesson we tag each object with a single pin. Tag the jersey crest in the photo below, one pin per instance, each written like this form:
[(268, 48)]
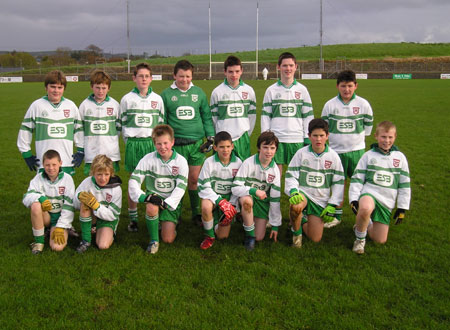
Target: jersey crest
[(234, 172), (355, 110), (194, 97), (66, 113), (298, 95), (270, 178), (328, 164), (109, 111), (62, 190), (154, 104), (244, 95), (108, 197), (396, 162), (175, 170)]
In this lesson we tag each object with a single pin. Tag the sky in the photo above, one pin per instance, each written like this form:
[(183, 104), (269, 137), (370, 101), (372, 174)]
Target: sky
[(174, 27)]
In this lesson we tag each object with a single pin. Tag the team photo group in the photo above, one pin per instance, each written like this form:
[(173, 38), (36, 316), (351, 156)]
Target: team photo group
[(179, 141)]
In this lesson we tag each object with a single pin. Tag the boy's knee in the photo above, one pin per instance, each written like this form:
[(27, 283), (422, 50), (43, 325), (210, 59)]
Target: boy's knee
[(57, 247), (103, 245), (247, 205), (151, 210), (168, 239)]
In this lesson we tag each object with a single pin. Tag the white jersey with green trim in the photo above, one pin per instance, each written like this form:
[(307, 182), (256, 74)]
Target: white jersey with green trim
[(319, 177), (168, 179), (56, 126), (110, 199), (60, 193), (216, 179), (252, 175), (140, 114), (287, 112), (384, 176), (349, 123), (101, 128), (233, 109)]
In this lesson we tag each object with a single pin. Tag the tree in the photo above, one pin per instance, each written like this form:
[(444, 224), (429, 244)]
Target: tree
[(93, 52)]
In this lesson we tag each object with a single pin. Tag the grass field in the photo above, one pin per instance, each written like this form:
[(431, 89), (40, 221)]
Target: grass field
[(402, 285)]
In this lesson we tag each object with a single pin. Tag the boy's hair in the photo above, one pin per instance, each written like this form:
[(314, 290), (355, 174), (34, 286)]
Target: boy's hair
[(346, 76), (183, 65), (317, 123), (162, 129), (231, 61), (101, 163), (50, 154), (222, 136), (100, 77), (385, 126), (140, 66), (267, 137), (55, 77), (284, 56)]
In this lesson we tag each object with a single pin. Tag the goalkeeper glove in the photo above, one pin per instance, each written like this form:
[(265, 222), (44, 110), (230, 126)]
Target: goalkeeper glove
[(354, 205), (58, 236), (296, 198), (32, 162), (207, 146), (328, 213), (155, 200), (77, 158), (227, 208), (399, 215), (46, 205), (88, 199)]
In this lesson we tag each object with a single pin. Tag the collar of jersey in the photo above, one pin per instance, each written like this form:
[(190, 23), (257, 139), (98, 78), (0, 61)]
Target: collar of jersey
[(174, 153), (377, 149), (174, 86), (316, 154), (92, 98), (241, 83), (60, 175), (53, 104), (136, 90), (232, 159), (281, 84), (272, 162), (351, 99)]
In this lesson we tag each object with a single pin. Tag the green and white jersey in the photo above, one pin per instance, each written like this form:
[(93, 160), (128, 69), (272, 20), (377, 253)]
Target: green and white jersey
[(319, 177), (187, 112), (110, 199), (56, 126), (252, 176), (287, 111), (215, 179), (60, 193), (233, 109), (349, 123), (384, 176), (101, 128), (140, 114), (168, 179)]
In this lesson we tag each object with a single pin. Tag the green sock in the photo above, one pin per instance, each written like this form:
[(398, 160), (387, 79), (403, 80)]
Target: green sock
[(133, 215), (152, 226), (297, 232), (250, 230), (39, 235), (86, 224), (208, 228), (195, 202)]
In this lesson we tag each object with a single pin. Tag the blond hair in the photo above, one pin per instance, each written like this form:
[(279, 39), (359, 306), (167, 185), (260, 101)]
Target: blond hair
[(102, 163)]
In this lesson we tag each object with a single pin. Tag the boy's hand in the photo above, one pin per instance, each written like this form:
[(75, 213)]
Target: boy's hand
[(328, 213), (155, 200), (274, 235), (58, 236), (88, 199), (46, 205), (399, 215), (354, 205), (207, 146), (227, 208), (296, 198), (32, 162), (261, 194), (77, 158)]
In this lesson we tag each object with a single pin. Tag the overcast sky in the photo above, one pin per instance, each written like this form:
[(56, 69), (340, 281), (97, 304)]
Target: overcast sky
[(172, 27)]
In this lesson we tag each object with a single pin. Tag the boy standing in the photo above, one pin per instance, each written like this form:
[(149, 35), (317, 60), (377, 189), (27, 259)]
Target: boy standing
[(257, 185), (315, 185), (50, 198), (165, 175), (233, 107), (380, 179), (287, 111), (350, 119), (188, 113), (214, 185), (140, 111), (56, 123), (100, 121)]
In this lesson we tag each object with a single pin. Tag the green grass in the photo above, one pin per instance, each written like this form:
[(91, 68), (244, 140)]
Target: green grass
[(403, 284)]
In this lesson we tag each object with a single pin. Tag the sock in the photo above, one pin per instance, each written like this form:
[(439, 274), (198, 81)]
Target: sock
[(297, 232), (195, 202), (133, 215), (250, 230), (360, 234), (86, 224), (39, 235), (153, 227), (304, 220), (208, 228), (338, 213)]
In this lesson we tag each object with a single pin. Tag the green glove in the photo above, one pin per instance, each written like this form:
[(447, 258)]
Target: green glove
[(296, 198), (328, 213), (88, 199), (46, 205), (58, 236)]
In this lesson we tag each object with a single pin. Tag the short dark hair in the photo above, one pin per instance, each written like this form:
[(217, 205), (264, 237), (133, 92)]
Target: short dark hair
[(162, 129), (267, 137), (346, 76), (231, 61), (317, 123), (183, 65), (50, 154), (55, 77), (222, 136), (100, 77), (284, 56), (140, 66)]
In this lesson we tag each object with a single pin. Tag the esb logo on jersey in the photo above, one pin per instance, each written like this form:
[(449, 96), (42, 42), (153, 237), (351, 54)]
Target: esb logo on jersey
[(235, 110), (355, 110), (315, 179), (345, 125), (143, 120), (56, 130), (62, 190), (287, 110), (185, 113), (109, 111), (66, 113), (328, 164), (99, 127), (396, 162), (164, 185), (108, 197)]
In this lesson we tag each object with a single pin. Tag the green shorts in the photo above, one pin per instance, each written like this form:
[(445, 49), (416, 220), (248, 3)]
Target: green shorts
[(135, 149), (192, 153), (87, 167), (54, 217), (171, 216), (260, 208), (350, 160), (110, 224), (311, 207), (381, 213), (286, 151), (242, 147)]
